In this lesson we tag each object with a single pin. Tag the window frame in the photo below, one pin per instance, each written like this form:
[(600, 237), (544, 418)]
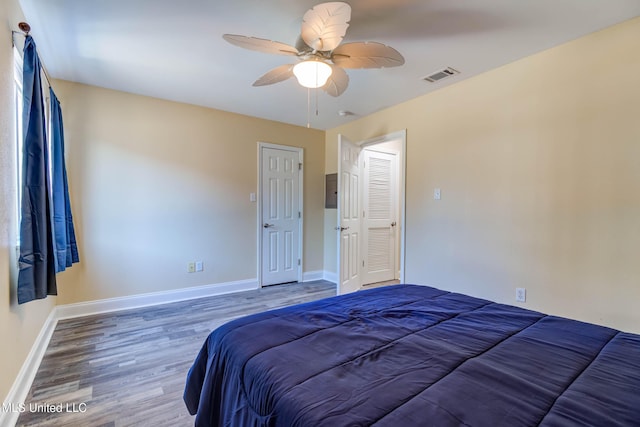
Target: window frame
[(18, 101)]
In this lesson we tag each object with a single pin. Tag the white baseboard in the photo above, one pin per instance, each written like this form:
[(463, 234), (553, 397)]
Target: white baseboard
[(20, 389), (310, 276), (22, 384), (330, 276), (68, 311)]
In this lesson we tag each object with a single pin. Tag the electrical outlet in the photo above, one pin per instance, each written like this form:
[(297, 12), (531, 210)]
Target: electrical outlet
[(199, 266), (191, 267), (521, 295)]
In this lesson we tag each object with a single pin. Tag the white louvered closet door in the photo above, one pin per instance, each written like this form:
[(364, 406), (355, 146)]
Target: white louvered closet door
[(379, 216)]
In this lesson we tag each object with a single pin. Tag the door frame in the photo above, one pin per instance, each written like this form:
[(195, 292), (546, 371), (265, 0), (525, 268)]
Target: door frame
[(395, 154), (402, 172), (300, 151)]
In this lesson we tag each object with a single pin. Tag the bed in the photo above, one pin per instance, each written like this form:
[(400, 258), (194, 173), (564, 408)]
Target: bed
[(410, 355)]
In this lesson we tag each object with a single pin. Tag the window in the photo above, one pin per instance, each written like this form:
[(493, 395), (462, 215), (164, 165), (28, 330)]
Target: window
[(49, 221)]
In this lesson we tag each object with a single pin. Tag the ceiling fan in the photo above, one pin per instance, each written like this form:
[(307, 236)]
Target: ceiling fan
[(320, 52)]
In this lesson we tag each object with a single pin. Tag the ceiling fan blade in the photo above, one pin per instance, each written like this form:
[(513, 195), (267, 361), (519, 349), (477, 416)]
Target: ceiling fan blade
[(261, 45), (324, 26), (337, 82), (366, 55), (277, 75)]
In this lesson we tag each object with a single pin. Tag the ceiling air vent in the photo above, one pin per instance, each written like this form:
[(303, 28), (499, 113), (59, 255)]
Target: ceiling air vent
[(442, 74)]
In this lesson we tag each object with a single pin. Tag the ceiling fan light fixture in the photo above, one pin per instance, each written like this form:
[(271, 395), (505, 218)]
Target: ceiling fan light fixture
[(312, 73)]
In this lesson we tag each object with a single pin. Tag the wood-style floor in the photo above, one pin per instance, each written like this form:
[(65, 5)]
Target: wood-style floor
[(128, 368)]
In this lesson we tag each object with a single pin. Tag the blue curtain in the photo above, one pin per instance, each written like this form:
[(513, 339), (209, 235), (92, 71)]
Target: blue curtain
[(65, 247), (36, 276)]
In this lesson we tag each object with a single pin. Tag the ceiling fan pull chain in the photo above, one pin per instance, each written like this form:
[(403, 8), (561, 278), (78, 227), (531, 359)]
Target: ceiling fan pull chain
[(308, 108)]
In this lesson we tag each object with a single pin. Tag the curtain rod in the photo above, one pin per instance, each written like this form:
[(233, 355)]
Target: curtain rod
[(24, 31)]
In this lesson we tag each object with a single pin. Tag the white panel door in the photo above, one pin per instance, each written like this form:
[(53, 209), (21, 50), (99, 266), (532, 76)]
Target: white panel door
[(379, 216), (280, 216), (349, 211)]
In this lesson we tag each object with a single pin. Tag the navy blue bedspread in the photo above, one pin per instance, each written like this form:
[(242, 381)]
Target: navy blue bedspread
[(411, 355)]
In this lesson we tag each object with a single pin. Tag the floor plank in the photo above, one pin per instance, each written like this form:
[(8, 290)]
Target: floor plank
[(129, 367)]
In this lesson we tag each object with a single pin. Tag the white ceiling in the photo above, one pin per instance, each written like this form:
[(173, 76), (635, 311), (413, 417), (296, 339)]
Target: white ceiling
[(174, 49)]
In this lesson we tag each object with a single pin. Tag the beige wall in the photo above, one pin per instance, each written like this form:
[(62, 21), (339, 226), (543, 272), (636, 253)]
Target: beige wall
[(157, 184), (19, 324), (539, 167), (538, 163)]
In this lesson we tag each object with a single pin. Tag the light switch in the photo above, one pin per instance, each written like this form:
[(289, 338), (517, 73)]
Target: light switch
[(436, 194), (252, 197)]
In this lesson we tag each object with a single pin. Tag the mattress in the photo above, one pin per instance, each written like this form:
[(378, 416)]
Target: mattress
[(410, 355)]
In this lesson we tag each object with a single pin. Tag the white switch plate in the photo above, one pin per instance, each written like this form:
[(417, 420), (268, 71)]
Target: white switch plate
[(199, 266), (521, 295), (191, 267), (436, 194), (252, 197)]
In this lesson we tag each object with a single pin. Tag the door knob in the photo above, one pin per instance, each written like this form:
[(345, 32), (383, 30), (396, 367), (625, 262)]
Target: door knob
[(344, 228), (267, 225), (393, 224)]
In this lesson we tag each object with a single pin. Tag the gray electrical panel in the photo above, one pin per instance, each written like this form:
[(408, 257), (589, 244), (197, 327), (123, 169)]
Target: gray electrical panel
[(331, 191)]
